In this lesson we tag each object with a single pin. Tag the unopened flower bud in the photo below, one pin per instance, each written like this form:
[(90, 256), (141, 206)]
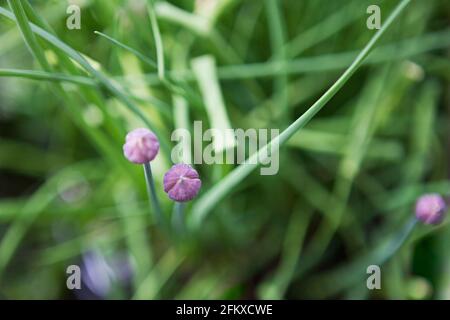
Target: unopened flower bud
[(182, 182), (141, 146)]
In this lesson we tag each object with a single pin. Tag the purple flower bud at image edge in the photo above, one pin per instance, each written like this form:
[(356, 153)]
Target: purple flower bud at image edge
[(430, 209), (141, 146), (182, 182)]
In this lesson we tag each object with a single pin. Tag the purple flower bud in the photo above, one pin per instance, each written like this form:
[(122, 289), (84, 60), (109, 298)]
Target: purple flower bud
[(430, 209), (141, 146), (182, 182)]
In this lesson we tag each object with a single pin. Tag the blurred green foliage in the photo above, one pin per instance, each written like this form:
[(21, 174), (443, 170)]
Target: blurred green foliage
[(347, 181)]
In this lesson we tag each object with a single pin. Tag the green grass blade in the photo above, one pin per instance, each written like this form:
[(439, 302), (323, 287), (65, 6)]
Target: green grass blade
[(322, 63), (198, 24), (205, 70), (48, 76), (277, 40), (128, 48), (75, 55), (28, 35), (329, 26), (157, 38)]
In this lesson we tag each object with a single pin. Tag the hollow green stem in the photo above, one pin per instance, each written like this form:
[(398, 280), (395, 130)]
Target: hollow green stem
[(178, 217), (152, 193)]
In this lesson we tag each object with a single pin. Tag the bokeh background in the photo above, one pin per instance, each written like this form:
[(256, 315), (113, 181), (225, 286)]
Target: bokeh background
[(345, 192)]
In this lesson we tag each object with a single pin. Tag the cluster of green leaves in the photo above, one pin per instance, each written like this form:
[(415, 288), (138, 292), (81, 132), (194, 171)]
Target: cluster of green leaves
[(343, 197)]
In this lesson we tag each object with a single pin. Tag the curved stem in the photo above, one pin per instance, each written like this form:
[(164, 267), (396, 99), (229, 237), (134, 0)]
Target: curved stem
[(215, 194), (152, 193), (345, 275)]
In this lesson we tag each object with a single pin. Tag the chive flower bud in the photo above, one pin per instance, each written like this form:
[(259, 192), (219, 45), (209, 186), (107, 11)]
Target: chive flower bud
[(141, 146), (182, 182), (430, 209)]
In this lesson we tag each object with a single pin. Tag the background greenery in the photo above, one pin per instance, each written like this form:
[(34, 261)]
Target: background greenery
[(347, 184)]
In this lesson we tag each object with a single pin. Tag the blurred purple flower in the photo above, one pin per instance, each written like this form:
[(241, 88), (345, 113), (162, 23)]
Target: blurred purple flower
[(97, 274), (182, 182), (430, 208), (141, 146)]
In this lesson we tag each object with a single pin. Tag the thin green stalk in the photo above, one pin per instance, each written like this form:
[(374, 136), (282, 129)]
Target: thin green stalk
[(210, 199), (277, 40), (27, 29), (178, 217), (23, 221), (128, 48), (276, 286), (180, 104), (325, 28), (35, 205), (114, 127), (330, 283), (137, 240), (152, 193), (328, 62), (205, 71), (31, 41), (204, 28), (157, 38), (365, 123), (31, 13), (168, 83), (49, 76), (159, 275), (160, 105)]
